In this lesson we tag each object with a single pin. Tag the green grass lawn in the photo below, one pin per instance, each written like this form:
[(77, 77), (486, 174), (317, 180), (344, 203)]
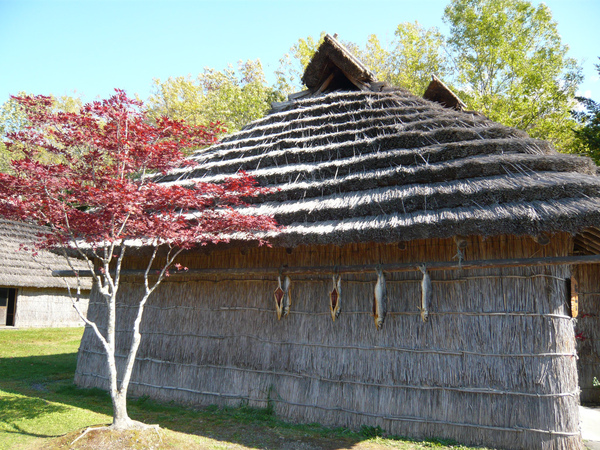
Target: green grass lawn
[(37, 398), (39, 404)]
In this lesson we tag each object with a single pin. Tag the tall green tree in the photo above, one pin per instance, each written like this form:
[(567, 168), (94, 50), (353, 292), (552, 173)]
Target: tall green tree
[(512, 66), (410, 59), (587, 137), (234, 97)]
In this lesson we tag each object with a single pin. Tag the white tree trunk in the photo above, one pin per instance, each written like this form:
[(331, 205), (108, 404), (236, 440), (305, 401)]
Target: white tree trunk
[(108, 287), (121, 420)]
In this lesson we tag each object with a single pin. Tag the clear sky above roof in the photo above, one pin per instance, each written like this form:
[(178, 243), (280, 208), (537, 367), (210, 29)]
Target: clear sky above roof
[(91, 47)]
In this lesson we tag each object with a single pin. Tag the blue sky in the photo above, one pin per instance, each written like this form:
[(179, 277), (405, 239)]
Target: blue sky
[(90, 47)]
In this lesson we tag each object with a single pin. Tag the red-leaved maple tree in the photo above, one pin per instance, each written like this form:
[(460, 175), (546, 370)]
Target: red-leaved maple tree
[(96, 199)]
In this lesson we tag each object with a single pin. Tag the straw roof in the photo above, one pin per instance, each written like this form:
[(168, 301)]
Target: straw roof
[(19, 268), (330, 57), (360, 161)]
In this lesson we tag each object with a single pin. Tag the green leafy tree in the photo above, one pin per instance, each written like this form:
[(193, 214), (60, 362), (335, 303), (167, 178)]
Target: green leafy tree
[(588, 135), (413, 56), (13, 118), (304, 49), (292, 64), (234, 97), (512, 66)]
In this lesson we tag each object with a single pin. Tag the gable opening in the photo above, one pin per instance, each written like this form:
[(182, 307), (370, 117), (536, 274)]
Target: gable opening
[(336, 81)]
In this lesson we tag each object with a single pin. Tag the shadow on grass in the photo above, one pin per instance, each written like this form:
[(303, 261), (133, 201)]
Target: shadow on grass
[(58, 366), (25, 408), (50, 378)]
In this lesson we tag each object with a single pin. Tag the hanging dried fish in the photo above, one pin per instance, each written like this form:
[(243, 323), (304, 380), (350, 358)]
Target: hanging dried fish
[(426, 293), (283, 300), (279, 294), (287, 299), (379, 299), (334, 297)]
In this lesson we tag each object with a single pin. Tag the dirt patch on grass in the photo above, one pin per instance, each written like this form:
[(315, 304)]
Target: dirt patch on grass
[(123, 440), (166, 439)]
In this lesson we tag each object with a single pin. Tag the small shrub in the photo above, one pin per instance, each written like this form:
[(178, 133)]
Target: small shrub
[(371, 432)]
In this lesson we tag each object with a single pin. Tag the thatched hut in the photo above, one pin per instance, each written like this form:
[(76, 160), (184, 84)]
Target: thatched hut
[(29, 295), (471, 227)]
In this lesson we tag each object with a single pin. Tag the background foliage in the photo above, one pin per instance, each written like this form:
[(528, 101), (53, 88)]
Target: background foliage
[(13, 119), (504, 58), (233, 97), (588, 135), (511, 65)]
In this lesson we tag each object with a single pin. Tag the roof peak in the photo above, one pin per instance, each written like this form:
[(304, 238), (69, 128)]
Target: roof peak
[(333, 60), (334, 68)]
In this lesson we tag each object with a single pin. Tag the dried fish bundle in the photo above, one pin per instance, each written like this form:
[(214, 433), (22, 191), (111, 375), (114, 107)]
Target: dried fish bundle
[(279, 299), (379, 299), (287, 299), (283, 300), (426, 293), (334, 297)]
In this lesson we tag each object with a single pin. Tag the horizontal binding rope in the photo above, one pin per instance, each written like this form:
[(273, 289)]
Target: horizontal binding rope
[(390, 281), (349, 411), (311, 313), (358, 347), (400, 267), (487, 391)]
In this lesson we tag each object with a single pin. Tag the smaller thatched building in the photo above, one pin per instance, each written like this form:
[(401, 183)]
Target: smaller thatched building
[(29, 295)]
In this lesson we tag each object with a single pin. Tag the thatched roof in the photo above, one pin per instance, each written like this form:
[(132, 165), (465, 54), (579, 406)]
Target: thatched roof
[(20, 268), (330, 58), (372, 163)]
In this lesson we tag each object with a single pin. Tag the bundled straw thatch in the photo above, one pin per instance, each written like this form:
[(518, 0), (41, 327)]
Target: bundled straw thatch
[(21, 265), (365, 165), (366, 174), (494, 364)]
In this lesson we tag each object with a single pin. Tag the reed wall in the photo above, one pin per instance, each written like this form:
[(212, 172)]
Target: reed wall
[(47, 308), (587, 331), (494, 365)]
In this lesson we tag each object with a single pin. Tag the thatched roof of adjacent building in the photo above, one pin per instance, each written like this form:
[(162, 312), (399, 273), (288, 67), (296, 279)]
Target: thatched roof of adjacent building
[(20, 268), (354, 160)]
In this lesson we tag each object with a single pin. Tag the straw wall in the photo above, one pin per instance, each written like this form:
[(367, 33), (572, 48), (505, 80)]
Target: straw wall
[(494, 365), (587, 331), (47, 308)]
